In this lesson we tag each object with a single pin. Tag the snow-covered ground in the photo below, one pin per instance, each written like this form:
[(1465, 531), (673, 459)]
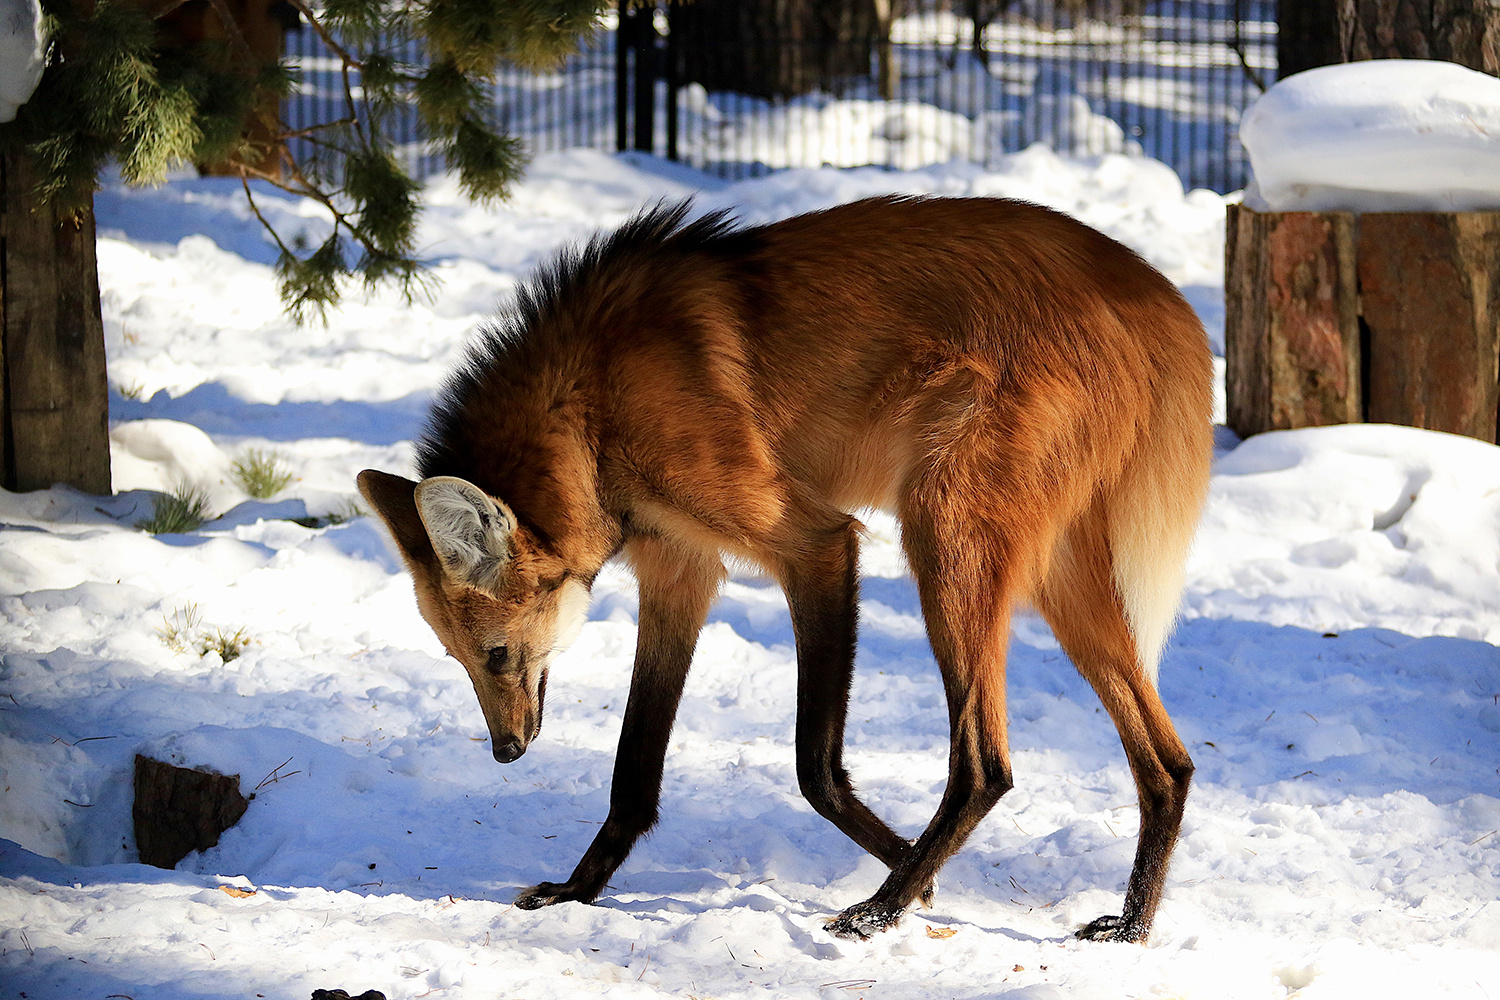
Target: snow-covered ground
[(1335, 676)]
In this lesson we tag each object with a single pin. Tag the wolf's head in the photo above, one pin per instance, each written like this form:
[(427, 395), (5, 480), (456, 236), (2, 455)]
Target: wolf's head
[(501, 603)]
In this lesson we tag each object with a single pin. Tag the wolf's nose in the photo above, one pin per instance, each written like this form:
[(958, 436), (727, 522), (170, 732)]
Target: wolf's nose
[(507, 752)]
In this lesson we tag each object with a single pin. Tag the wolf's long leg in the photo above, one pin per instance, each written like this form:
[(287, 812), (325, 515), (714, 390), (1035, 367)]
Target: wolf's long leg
[(966, 579), (1080, 601), (822, 589), (677, 587)]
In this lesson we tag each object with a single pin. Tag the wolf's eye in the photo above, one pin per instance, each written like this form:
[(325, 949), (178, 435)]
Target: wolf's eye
[(497, 658)]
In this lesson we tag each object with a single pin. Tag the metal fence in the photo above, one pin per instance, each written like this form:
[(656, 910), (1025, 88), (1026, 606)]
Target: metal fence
[(1169, 82)]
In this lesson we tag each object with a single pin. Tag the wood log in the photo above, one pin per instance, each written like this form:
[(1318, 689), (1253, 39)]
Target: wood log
[(179, 810), (1292, 349), (1390, 317), (54, 395), (1430, 289)]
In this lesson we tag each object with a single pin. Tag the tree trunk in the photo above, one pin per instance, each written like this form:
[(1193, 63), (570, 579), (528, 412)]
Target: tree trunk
[(775, 48), (1466, 32), (1307, 35), (263, 25), (1291, 320), (54, 397), (888, 66), (1429, 286), (1324, 32)]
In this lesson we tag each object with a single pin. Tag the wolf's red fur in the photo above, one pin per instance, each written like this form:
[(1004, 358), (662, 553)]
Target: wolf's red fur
[(1027, 395)]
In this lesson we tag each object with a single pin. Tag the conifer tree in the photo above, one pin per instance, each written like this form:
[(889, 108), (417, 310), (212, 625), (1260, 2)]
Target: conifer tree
[(157, 84), (122, 85)]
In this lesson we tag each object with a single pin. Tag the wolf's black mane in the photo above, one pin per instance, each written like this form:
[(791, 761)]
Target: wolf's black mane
[(507, 348)]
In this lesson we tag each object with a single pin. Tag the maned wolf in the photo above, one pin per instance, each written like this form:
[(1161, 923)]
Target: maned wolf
[(1027, 395)]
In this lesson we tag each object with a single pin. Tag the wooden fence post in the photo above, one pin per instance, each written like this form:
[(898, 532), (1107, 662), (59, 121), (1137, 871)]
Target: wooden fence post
[(54, 395)]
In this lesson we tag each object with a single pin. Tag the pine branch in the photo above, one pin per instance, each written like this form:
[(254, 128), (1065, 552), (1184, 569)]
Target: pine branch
[(310, 132), (328, 39), (118, 93), (1238, 47), (359, 128), (348, 60), (250, 197)]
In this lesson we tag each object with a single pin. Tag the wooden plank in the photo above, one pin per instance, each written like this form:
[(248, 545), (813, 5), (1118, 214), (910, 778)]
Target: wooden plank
[(1430, 283), (56, 398), (1292, 347)]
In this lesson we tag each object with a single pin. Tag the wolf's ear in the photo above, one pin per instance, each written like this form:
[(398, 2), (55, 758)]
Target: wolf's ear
[(471, 532), (392, 497)]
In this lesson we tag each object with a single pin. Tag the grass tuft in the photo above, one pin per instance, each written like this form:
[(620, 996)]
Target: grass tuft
[(349, 510), (182, 631), (182, 510), (261, 474), (177, 628), (227, 644)]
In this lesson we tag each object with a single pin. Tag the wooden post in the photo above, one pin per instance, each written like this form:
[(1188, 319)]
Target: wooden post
[(1391, 317), (54, 396), (1291, 325)]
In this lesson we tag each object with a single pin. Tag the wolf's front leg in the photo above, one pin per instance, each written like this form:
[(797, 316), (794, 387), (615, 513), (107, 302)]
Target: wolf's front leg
[(677, 587)]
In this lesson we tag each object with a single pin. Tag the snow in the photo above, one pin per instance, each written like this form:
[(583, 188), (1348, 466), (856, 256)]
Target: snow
[(23, 54), (1382, 135), (1335, 676)]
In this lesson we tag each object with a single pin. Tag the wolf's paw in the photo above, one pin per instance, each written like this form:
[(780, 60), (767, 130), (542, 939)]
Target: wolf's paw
[(546, 894), (862, 920), (1113, 929)]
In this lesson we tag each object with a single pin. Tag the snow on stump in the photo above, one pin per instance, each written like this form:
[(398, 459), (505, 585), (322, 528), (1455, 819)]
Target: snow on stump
[(1362, 273), (179, 810)]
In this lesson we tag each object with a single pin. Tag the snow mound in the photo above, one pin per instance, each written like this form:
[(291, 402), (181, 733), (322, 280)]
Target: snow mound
[(166, 455), (1332, 528), (1387, 135)]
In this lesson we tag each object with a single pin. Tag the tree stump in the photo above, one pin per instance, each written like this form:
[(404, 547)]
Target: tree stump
[(1430, 286), (179, 810), (1389, 317)]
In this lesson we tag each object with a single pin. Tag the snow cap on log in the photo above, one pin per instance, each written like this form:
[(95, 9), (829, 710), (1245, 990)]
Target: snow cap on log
[(1383, 135)]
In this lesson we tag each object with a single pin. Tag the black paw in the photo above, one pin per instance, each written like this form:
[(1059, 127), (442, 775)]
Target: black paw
[(546, 894), (1113, 929), (860, 921)]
